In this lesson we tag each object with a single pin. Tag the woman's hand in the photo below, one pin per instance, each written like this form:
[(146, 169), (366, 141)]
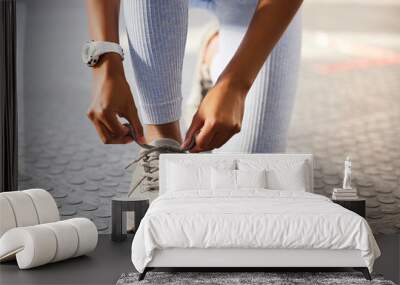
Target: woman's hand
[(112, 98), (220, 114), (219, 117)]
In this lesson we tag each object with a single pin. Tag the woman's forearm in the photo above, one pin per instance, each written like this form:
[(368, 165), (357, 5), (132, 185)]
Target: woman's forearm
[(269, 22), (112, 97), (103, 26), (103, 19)]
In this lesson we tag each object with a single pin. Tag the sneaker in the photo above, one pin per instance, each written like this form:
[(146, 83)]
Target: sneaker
[(144, 185)]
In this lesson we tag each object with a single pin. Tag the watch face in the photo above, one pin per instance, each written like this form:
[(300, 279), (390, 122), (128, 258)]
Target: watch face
[(85, 53), (88, 54)]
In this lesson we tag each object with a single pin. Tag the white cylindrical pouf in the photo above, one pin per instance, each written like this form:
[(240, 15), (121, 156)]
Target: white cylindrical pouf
[(40, 244), (87, 233), (45, 205), (33, 246), (7, 218), (23, 208), (67, 239)]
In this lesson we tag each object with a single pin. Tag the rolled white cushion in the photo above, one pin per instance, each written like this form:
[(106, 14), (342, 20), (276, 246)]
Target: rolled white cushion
[(67, 240), (23, 208), (40, 244), (33, 246), (87, 233), (46, 207), (7, 218), (26, 208)]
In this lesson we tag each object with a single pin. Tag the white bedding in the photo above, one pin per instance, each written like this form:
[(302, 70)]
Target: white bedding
[(252, 218)]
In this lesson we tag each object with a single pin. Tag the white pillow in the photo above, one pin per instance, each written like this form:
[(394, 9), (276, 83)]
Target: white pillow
[(188, 175), (181, 177), (251, 178), (281, 174), (226, 179), (223, 179)]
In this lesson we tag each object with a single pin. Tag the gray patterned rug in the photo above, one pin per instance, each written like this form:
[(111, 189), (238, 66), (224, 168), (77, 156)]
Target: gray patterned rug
[(270, 278)]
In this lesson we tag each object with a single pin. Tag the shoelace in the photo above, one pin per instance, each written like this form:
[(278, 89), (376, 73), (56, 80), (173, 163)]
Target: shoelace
[(148, 159)]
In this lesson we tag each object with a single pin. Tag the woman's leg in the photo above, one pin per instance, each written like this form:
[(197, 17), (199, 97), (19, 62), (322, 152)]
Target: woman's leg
[(157, 32), (269, 102)]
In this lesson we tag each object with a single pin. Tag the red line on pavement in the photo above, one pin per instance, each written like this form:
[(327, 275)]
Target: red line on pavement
[(357, 64)]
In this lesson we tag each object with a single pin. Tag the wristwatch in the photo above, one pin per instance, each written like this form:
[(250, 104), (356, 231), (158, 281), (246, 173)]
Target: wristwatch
[(93, 50)]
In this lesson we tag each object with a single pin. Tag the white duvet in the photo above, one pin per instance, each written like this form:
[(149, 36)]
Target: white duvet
[(250, 219)]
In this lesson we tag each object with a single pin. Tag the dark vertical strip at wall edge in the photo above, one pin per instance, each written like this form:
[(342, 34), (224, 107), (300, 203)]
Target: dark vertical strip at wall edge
[(8, 98)]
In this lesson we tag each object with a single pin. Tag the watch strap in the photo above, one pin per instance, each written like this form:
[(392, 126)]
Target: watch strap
[(106, 47)]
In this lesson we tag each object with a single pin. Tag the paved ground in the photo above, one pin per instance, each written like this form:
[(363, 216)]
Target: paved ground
[(348, 104)]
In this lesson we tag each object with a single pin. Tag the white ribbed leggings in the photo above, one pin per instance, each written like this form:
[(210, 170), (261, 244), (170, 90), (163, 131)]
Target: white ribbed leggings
[(157, 32)]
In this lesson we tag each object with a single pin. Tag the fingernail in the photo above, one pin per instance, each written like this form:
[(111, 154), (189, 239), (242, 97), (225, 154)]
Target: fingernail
[(189, 144), (184, 144)]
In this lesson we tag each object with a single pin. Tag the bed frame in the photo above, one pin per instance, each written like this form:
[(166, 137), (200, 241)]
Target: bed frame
[(237, 259), (250, 259)]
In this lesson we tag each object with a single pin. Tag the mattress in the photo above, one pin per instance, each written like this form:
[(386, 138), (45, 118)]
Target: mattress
[(251, 219)]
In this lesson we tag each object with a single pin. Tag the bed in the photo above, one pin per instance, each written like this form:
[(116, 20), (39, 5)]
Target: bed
[(244, 211)]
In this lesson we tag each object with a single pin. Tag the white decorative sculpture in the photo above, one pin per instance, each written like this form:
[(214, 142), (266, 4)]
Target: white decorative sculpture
[(31, 231), (347, 192), (347, 174)]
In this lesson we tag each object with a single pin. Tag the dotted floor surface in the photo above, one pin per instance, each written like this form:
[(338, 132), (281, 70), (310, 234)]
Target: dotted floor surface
[(348, 104)]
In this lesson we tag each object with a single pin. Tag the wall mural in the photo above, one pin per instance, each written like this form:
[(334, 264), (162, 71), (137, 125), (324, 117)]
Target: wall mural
[(347, 105)]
